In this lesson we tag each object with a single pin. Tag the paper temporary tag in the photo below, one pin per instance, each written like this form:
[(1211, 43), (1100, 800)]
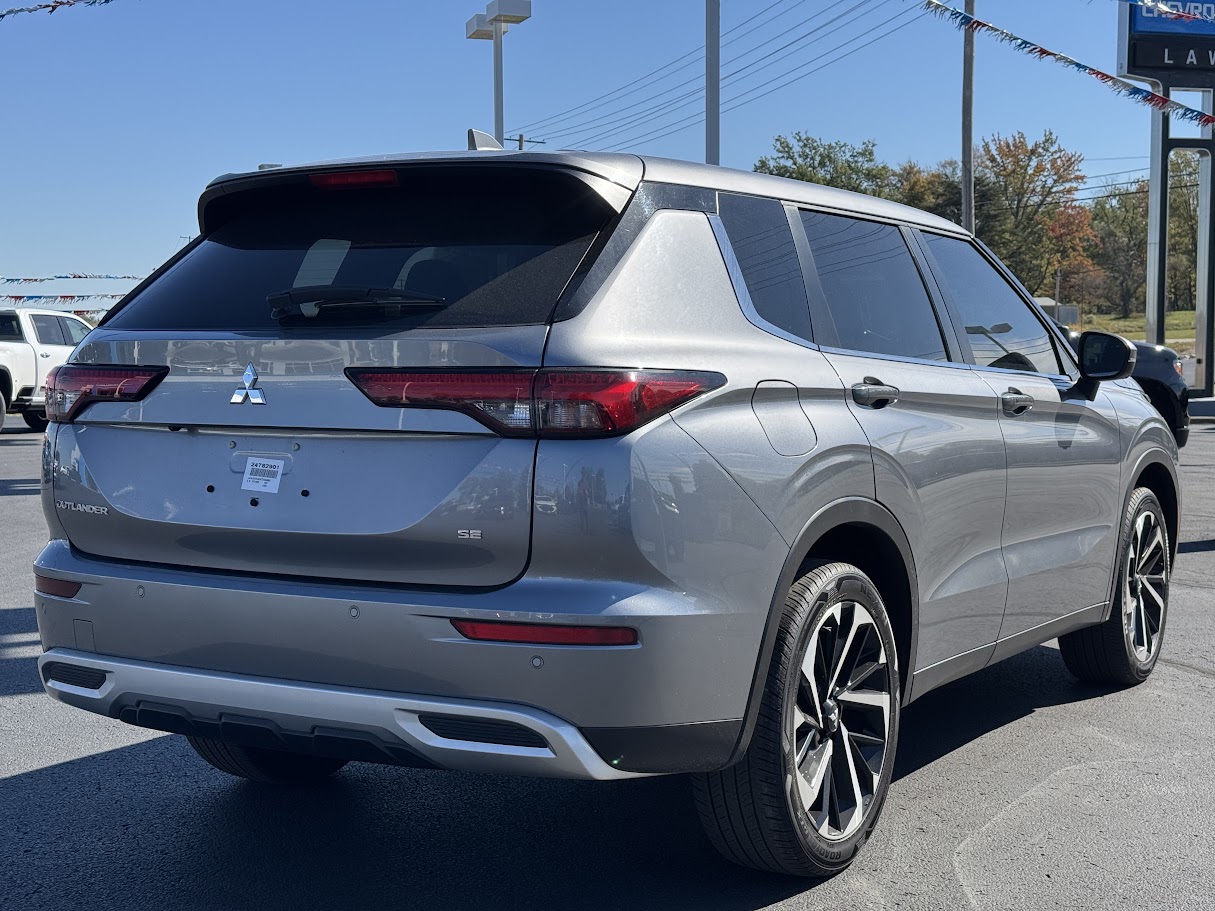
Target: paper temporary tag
[(262, 475)]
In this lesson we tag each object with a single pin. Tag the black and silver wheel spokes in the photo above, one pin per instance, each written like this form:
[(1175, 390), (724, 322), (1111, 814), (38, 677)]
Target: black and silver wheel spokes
[(841, 719), (1145, 590)]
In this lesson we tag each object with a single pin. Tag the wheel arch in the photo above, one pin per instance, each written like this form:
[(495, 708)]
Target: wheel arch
[(6, 386), (1154, 473), (864, 533), (1155, 470)]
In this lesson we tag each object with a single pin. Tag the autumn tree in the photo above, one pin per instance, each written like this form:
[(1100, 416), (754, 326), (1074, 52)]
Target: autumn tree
[(1036, 183)]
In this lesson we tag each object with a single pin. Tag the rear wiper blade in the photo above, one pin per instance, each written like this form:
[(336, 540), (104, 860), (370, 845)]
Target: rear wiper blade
[(308, 301)]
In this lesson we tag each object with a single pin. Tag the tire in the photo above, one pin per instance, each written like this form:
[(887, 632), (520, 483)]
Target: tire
[(1124, 649), (266, 766), (767, 813), (3, 409), (35, 420)]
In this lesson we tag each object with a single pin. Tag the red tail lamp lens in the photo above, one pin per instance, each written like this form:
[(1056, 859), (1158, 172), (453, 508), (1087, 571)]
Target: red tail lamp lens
[(70, 388), (500, 400), (347, 180), (544, 634), (605, 403), (548, 403), (60, 588)]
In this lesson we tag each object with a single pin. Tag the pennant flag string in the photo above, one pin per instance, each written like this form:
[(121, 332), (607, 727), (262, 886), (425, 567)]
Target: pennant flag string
[(69, 276), (56, 298), (1120, 86), (1167, 12), (51, 6)]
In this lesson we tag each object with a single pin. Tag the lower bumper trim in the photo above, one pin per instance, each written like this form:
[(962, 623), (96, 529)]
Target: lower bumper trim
[(367, 725)]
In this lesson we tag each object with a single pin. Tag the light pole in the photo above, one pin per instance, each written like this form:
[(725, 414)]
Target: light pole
[(492, 25)]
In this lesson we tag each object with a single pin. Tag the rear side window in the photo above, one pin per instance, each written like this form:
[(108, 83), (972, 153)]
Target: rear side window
[(759, 233), (870, 295), (73, 330), (449, 247), (10, 328), (48, 330), (1001, 328)]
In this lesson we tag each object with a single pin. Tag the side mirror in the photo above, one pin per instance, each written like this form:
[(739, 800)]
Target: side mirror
[(1103, 356)]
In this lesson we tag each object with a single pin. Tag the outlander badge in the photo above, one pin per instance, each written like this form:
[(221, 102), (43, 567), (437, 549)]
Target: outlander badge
[(249, 392)]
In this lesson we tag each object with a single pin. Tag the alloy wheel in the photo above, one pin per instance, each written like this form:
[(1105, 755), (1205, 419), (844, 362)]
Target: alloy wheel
[(841, 720), (1145, 589)]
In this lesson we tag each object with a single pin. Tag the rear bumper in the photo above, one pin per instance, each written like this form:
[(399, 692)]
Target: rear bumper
[(308, 718), (300, 656)]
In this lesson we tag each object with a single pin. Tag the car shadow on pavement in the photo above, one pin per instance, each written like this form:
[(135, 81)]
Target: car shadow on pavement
[(958, 713), (20, 487), (150, 825), (19, 648)]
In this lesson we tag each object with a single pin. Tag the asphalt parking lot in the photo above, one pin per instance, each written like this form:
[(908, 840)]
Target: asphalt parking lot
[(1016, 788)]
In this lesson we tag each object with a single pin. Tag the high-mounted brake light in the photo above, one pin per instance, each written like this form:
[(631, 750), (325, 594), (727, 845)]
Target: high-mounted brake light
[(347, 180), (545, 634), (545, 403), (70, 388)]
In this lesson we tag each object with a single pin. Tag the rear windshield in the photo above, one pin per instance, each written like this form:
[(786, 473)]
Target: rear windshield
[(453, 248)]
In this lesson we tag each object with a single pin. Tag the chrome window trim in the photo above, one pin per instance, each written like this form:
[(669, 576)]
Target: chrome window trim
[(927, 362), (734, 270)]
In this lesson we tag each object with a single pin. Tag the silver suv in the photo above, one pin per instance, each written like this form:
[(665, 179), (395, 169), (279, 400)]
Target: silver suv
[(588, 466)]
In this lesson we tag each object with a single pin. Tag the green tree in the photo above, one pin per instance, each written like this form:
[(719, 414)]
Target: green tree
[(833, 164), (1120, 224), (1183, 230)]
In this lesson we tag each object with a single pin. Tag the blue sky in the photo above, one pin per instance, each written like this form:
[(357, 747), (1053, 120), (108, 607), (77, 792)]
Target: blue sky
[(116, 116)]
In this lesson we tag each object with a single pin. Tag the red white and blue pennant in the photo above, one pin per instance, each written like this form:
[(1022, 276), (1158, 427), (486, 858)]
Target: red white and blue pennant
[(1121, 86)]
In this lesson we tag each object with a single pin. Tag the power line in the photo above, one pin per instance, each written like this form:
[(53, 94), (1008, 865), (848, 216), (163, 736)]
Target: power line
[(597, 124), (694, 119), (698, 53)]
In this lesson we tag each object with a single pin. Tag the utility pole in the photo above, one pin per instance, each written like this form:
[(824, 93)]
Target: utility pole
[(522, 139), (712, 81), (968, 126), (1058, 283)]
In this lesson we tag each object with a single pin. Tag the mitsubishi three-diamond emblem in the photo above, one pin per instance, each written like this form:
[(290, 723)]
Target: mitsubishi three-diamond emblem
[(249, 393)]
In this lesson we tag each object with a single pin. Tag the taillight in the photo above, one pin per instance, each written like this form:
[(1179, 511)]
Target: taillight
[(348, 180), (611, 402), (545, 634), (70, 388), (545, 403), (500, 400)]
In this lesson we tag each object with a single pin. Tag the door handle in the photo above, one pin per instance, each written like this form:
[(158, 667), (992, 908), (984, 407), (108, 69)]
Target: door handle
[(873, 393), (1015, 402), (43, 354)]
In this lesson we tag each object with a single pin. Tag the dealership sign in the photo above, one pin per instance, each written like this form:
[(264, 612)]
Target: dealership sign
[(1161, 47)]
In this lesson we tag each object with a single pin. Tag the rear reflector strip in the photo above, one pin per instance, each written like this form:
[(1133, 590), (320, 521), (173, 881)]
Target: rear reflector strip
[(544, 634), (545, 403), (70, 388), (60, 588)]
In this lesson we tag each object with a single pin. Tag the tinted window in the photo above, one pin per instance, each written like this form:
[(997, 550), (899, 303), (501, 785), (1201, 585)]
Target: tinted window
[(496, 247), (1002, 330), (47, 328), (73, 330), (10, 328), (759, 233), (872, 296)]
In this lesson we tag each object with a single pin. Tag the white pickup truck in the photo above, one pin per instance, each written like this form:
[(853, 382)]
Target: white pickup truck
[(31, 343)]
